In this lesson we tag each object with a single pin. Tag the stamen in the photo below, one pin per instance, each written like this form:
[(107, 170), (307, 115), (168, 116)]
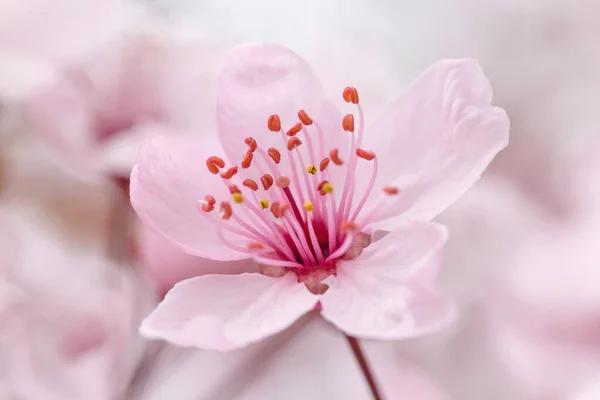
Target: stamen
[(238, 198), (274, 154), (226, 211), (314, 241), (230, 172), (252, 145), (274, 123), (247, 160), (365, 154), (293, 143), (214, 163), (308, 206), (264, 203), (234, 189), (391, 190), (256, 246), (208, 204), (334, 155), (282, 182), (311, 169), (324, 164), (278, 209), (350, 95), (348, 123), (347, 227), (250, 184), (304, 118), (324, 188), (267, 181), (367, 191), (294, 129)]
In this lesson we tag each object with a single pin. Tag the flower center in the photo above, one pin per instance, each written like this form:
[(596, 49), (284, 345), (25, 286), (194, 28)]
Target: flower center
[(293, 217)]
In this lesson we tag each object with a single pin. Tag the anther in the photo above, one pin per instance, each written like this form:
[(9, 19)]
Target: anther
[(267, 181), (365, 154), (226, 211), (283, 182), (308, 206), (348, 123), (208, 204), (250, 184), (233, 189), (335, 157), (274, 123), (350, 95), (247, 160), (294, 129), (304, 118), (324, 164), (311, 169), (391, 190), (264, 203), (293, 143), (229, 173), (324, 188), (347, 226), (274, 154), (252, 145), (255, 246), (238, 198), (214, 163)]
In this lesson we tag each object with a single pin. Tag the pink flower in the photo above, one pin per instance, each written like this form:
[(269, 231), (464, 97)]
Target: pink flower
[(99, 110), (310, 190)]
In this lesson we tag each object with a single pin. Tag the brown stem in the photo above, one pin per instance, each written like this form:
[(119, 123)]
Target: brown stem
[(364, 366)]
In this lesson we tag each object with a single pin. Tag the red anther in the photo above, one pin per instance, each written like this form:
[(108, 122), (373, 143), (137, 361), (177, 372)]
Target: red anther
[(324, 188), (233, 189), (207, 207), (247, 160), (274, 123), (278, 209), (226, 211), (350, 95), (283, 182), (294, 129), (251, 144), (324, 164), (391, 190), (267, 181), (214, 163), (256, 246), (347, 226), (335, 157), (249, 183), (348, 123), (293, 142), (210, 200), (304, 118), (366, 154), (229, 173), (274, 154)]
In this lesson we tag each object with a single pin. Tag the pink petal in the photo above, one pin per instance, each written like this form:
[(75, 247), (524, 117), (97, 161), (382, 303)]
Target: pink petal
[(259, 80), (167, 264), (436, 140), (225, 312), (386, 293), (166, 184)]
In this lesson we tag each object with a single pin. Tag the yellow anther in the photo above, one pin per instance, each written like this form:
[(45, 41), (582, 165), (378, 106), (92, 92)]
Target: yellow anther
[(326, 188), (308, 206), (238, 198), (264, 203), (311, 169)]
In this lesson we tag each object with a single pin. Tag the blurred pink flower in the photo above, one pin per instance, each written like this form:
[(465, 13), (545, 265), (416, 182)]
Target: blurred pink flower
[(68, 320), (100, 109), (429, 147)]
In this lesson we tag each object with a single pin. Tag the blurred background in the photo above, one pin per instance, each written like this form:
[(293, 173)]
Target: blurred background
[(81, 81)]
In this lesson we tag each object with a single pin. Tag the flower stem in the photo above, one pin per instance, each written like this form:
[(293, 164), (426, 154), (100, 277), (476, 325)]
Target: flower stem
[(364, 366)]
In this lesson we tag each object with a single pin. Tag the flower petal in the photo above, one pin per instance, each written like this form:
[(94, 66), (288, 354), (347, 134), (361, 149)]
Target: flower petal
[(387, 292), (259, 80), (169, 179), (225, 312), (436, 140)]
